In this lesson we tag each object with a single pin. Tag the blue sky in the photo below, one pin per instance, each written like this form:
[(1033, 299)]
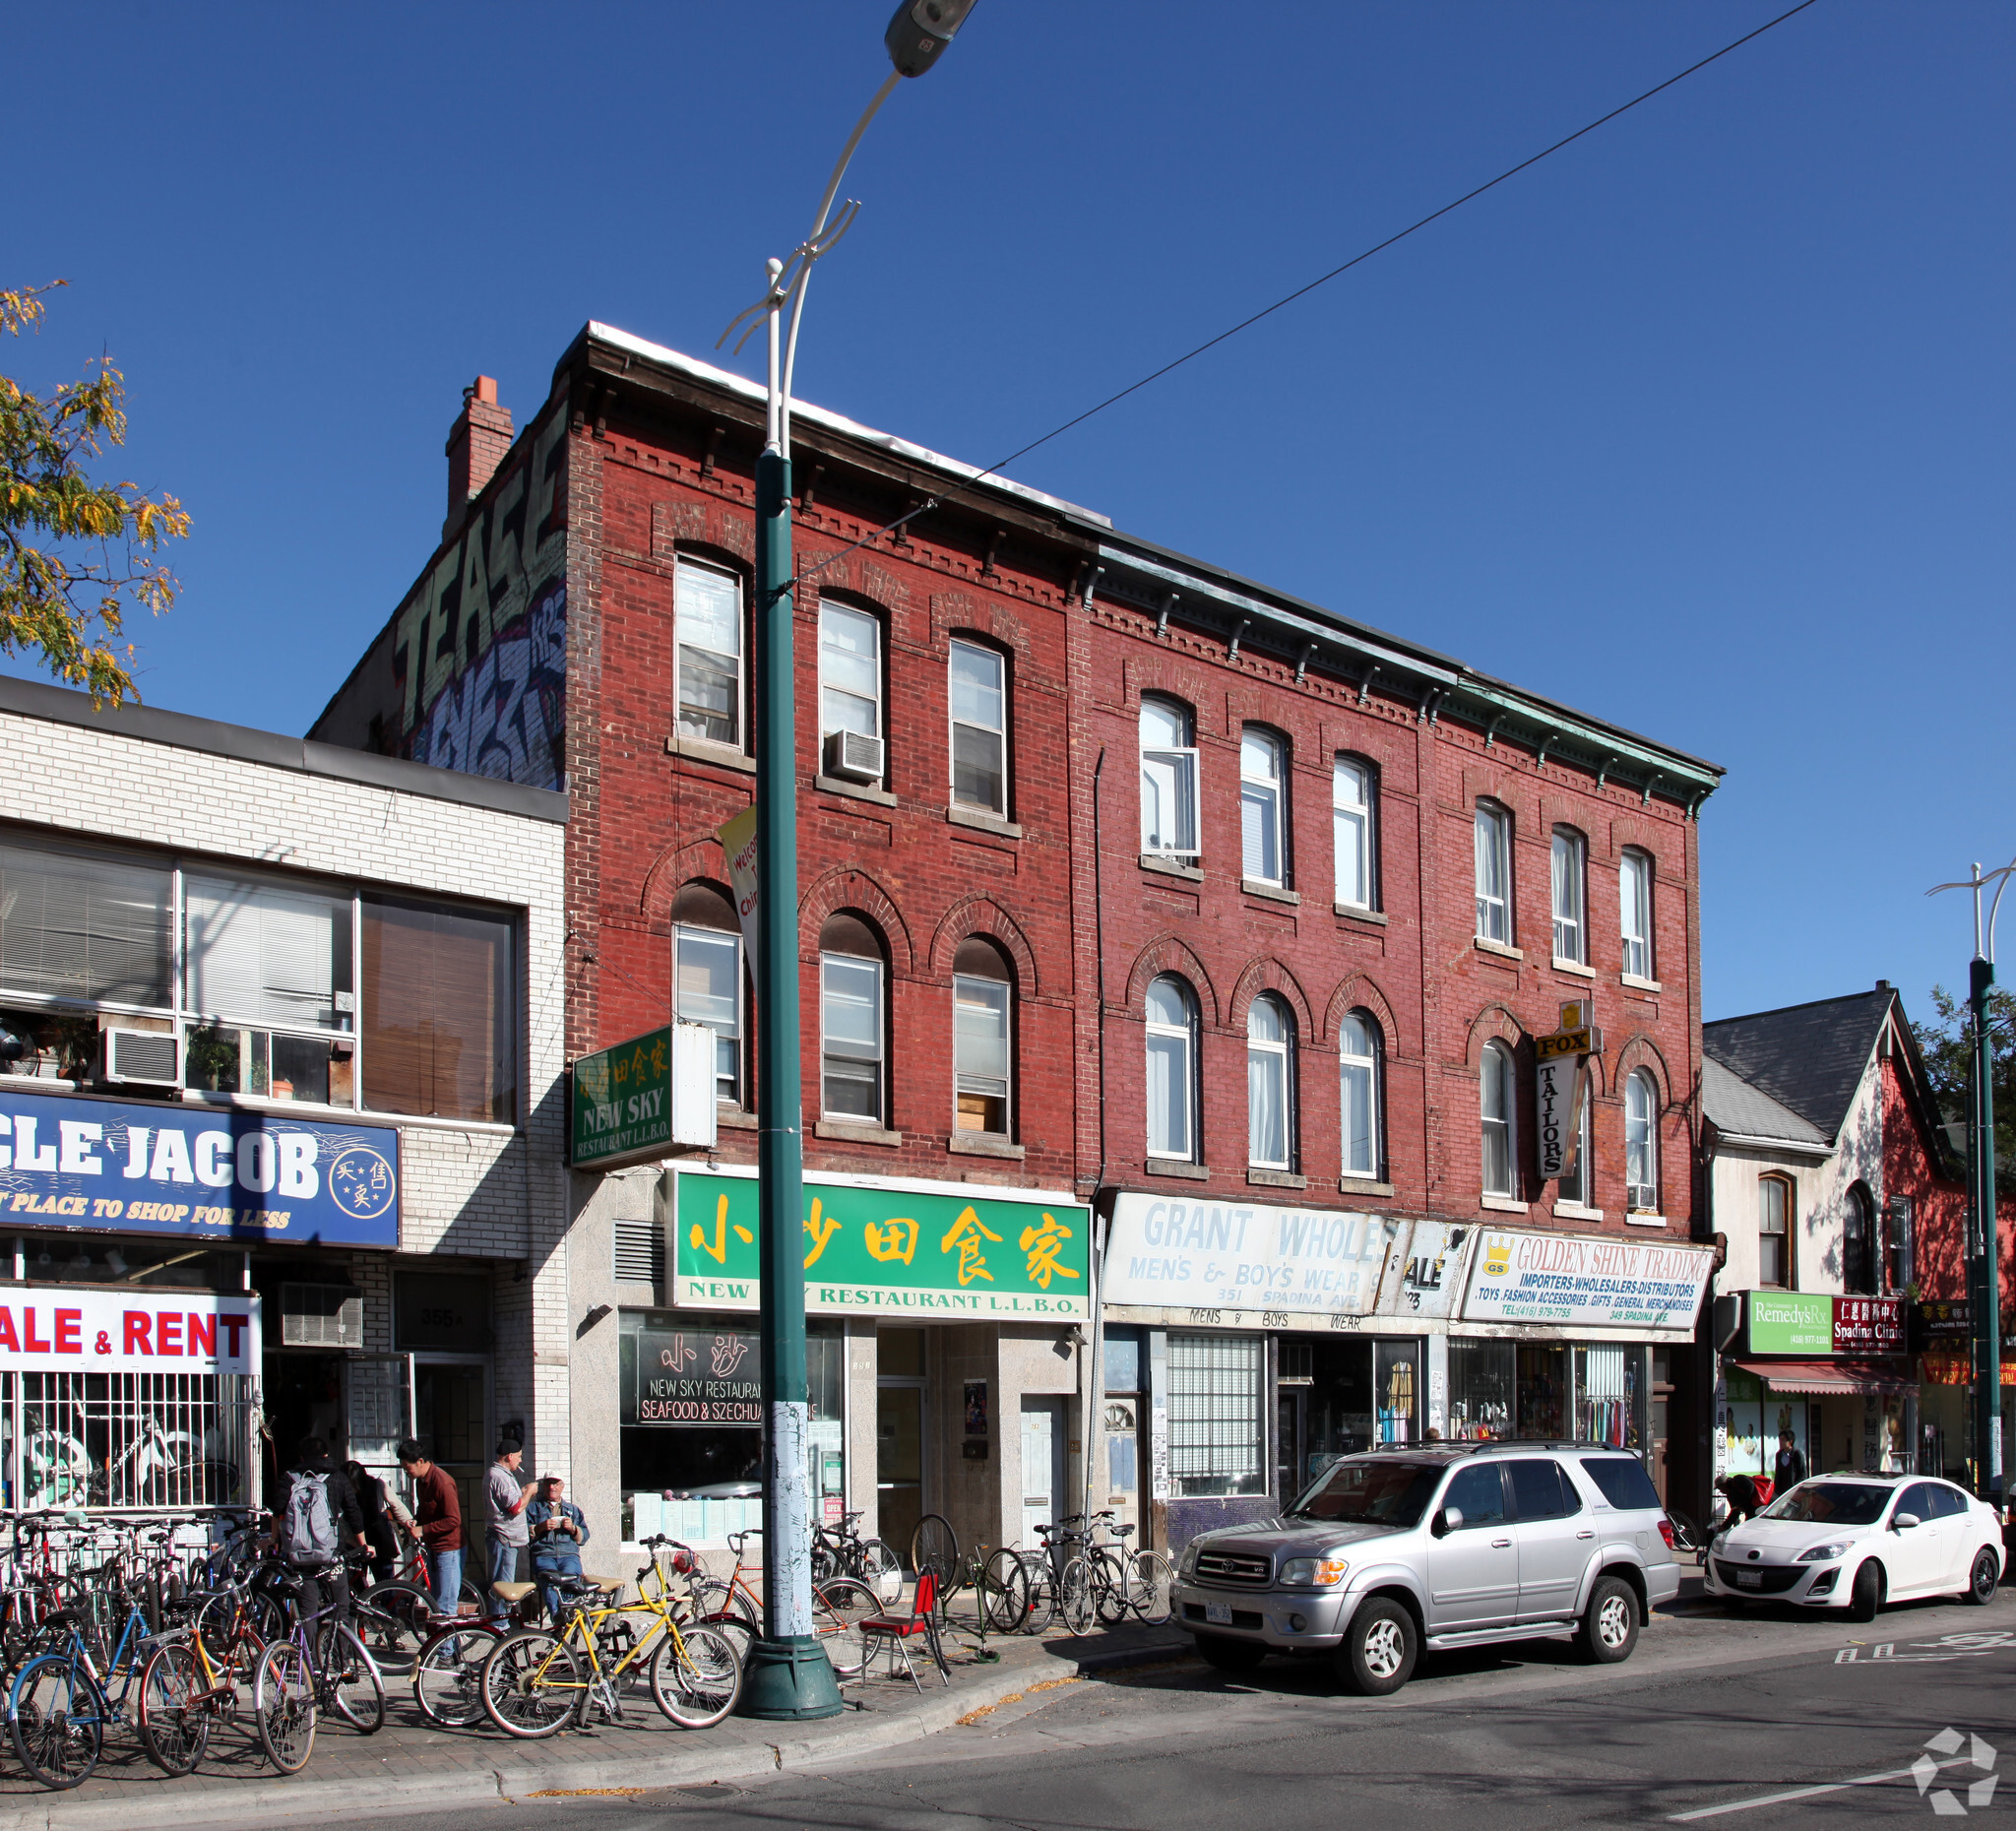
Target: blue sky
[(1702, 425)]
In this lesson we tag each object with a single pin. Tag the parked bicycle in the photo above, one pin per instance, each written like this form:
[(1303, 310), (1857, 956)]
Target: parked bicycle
[(60, 1704), (840, 1552), (320, 1666), (839, 1606)]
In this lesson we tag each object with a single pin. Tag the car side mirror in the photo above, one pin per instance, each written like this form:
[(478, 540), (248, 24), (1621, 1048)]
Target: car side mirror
[(1448, 1520), (1901, 1521)]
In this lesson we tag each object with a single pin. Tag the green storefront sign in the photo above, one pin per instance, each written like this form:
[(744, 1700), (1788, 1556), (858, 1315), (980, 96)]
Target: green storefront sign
[(1790, 1323), (623, 1103), (891, 1250)]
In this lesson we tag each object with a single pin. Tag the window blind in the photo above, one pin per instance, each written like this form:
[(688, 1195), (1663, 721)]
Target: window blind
[(264, 955), (86, 928), (438, 1036)]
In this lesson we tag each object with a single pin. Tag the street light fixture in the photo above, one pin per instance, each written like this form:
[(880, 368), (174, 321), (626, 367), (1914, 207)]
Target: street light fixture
[(789, 1678), (1981, 1168)]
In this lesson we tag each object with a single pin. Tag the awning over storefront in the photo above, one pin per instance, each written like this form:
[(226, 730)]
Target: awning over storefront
[(1829, 1376)]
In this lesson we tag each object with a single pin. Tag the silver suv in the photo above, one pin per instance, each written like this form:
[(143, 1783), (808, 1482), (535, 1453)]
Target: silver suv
[(1444, 1544)]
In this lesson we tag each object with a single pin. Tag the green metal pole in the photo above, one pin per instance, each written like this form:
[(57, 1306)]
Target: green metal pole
[(789, 1676), (1982, 975)]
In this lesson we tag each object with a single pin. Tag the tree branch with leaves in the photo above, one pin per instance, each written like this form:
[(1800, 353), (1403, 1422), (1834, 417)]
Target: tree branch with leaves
[(75, 554), (1947, 1047)]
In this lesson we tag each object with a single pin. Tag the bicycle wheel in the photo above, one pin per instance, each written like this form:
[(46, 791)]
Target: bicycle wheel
[(719, 1606), (448, 1678), (696, 1676), (283, 1706), (1075, 1596), (881, 1569), (351, 1684), (935, 1547), (58, 1722), (1042, 1590), (394, 1618), (1004, 1592), (173, 1730), (838, 1609), (1149, 1578), (823, 1564), (1686, 1535), (1108, 1586), (532, 1683)]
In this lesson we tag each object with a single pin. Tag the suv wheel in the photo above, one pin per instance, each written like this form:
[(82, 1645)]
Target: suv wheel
[(1377, 1652), (1230, 1656), (1609, 1626)]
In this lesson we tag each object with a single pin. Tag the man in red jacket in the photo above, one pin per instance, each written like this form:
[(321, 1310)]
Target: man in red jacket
[(437, 1522)]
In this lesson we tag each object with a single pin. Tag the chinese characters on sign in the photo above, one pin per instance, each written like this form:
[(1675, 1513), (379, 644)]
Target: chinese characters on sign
[(694, 1377), (888, 1249), (623, 1100)]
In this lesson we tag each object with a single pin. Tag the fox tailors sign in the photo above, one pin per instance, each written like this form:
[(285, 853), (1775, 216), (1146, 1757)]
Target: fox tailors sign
[(1595, 1282), (91, 1329)]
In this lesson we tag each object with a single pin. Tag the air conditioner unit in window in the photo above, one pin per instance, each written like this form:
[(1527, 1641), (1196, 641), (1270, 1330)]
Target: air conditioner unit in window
[(143, 1057), (853, 757), (321, 1316)]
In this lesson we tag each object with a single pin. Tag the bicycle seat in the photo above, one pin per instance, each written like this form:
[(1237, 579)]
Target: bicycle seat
[(609, 1586), (1120, 1531), (63, 1618), (512, 1592)]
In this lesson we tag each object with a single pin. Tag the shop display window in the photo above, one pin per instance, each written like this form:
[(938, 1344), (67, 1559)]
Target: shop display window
[(1481, 1382), (1541, 1391), (1218, 1437), (1338, 1397), (1752, 1417), (1610, 1397)]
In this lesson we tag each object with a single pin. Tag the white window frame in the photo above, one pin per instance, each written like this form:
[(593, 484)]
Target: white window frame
[(714, 938), (988, 1087), (1179, 762), (1634, 912), (1492, 846), (1584, 1195), (1186, 1033), (1263, 808), (1275, 1058), (1641, 1142), (1496, 1072), (1370, 1066), (880, 1058), (1788, 1198), (1353, 829), (827, 726), (683, 566), (999, 732), (1568, 877)]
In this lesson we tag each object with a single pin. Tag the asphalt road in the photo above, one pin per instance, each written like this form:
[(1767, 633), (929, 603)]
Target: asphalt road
[(1712, 1713)]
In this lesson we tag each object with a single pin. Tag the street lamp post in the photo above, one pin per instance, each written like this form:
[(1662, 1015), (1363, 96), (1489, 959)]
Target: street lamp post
[(789, 1677), (1982, 1231)]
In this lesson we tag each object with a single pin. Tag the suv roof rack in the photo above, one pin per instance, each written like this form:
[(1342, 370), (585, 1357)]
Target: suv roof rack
[(1518, 1445)]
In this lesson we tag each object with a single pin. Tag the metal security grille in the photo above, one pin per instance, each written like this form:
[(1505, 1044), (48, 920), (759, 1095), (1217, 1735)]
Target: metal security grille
[(1216, 1435), (131, 1439), (640, 1251)]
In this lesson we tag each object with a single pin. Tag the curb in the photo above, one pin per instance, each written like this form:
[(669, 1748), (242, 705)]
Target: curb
[(276, 1801)]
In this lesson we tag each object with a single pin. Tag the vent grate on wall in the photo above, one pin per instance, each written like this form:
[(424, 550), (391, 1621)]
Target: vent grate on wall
[(640, 1251)]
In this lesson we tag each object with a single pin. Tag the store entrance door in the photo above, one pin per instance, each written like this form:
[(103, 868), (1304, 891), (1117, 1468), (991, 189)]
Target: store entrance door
[(1291, 1432), (1042, 1467), (452, 1419)]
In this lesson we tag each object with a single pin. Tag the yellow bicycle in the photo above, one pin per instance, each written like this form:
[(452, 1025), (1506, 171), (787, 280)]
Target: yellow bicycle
[(537, 1681)]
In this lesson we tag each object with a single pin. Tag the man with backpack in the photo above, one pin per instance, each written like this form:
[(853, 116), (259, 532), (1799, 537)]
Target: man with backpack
[(318, 1520)]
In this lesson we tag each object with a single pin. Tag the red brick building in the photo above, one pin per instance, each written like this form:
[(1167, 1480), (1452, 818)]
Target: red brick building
[(1128, 888)]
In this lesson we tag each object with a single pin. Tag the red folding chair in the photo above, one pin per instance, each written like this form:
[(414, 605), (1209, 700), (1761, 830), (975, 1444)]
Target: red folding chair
[(896, 1631)]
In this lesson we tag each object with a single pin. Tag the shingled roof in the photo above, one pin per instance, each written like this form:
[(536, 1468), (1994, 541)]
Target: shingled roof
[(1808, 1057), (1738, 1110)]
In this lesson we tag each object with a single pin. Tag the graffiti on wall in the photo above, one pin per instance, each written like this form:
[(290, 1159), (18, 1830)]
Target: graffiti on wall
[(479, 648)]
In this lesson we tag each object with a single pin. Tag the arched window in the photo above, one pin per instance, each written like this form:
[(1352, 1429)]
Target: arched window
[(982, 1043), (1775, 1207), (1494, 847), (706, 978), (1353, 802), (1498, 1119), (1641, 1142), (1571, 901), (1169, 777), (1263, 836), (1858, 1245), (1270, 1083), (1579, 1186), (1634, 897), (853, 1050), (1361, 1050), (1172, 1068)]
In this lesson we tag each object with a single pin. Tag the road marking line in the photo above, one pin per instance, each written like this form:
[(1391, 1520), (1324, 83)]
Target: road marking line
[(1803, 1792)]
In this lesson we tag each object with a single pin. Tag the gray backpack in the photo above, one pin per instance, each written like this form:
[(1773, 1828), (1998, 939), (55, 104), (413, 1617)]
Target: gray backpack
[(308, 1530)]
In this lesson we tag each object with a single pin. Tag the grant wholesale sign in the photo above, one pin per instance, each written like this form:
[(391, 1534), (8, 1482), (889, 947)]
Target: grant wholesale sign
[(890, 1247), (92, 1329), (123, 1167), (1595, 1282)]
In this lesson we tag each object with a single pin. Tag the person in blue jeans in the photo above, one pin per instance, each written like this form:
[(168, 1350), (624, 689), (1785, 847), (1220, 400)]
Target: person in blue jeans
[(437, 1522), (558, 1530)]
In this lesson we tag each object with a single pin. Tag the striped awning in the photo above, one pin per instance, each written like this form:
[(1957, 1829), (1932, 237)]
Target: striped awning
[(1824, 1376)]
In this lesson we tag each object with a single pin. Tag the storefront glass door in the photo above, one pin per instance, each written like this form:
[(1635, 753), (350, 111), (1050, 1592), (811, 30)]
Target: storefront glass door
[(450, 1417), (902, 1414)]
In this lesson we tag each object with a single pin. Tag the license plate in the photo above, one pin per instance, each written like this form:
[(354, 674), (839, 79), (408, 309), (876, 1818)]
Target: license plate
[(1749, 1579), (1219, 1614)]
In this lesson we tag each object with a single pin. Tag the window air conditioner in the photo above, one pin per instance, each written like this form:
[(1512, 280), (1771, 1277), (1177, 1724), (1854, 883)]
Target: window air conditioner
[(143, 1057), (321, 1316), (850, 755)]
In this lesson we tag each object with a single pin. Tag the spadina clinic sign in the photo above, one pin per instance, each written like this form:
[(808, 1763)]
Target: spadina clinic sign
[(1594, 1282), (117, 1167)]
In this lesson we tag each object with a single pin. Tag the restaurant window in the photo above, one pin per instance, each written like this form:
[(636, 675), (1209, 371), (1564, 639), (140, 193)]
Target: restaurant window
[(1641, 1142), (707, 972), (1481, 1381), (440, 994), (1169, 777), (979, 727), (853, 1076), (1218, 1437), (1172, 1012), (1634, 895), (1498, 1118), (1774, 1232), (982, 1044), (1353, 805), (1263, 820), (1361, 1075), (707, 612), (1570, 875), (1492, 844)]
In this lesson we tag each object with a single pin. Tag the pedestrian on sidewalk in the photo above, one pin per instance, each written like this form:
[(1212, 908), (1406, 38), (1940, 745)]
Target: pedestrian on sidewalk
[(437, 1523), (505, 1498), (376, 1502), (319, 1521), (1790, 1466), (558, 1529)]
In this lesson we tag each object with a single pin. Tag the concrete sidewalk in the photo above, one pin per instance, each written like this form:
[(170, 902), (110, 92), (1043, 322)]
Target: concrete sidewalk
[(409, 1766)]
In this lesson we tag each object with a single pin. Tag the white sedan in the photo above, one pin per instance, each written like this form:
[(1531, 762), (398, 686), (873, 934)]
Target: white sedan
[(1860, 1541)]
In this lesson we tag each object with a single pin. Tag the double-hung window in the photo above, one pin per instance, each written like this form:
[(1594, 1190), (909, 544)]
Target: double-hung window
[(980, 729), (1570, 874), (1634, 895), (1270, 1083), (849, 672), (707, 613), (1494, 847), (1261, 823), (1774, 1232), (1641, 1143), (851, 1039), (1498, 1119), (981, 1048), (1359, 1046), (1579, 1187), (1171, 1069), (1168, 778), (710, 985), (1352, 814)]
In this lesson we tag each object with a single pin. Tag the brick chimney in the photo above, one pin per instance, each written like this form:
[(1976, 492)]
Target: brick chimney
[(476, 444)]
